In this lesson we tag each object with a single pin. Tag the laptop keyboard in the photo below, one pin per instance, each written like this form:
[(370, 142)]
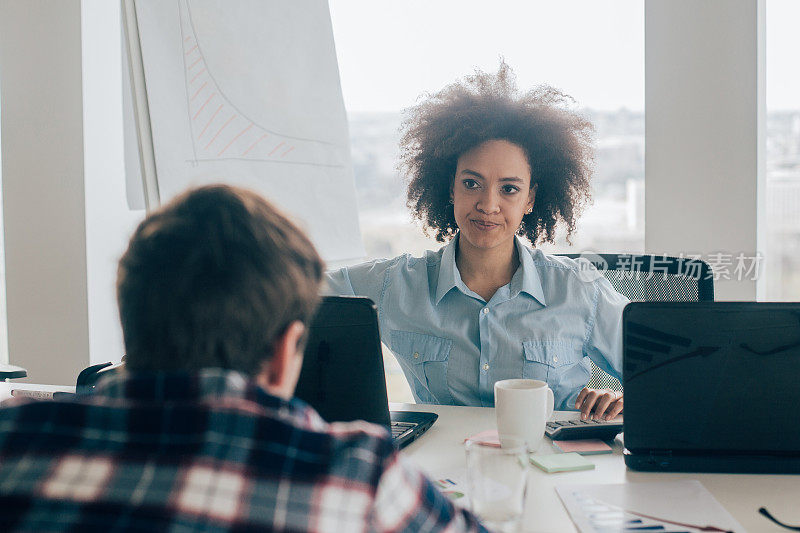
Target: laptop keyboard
[(401, 429)]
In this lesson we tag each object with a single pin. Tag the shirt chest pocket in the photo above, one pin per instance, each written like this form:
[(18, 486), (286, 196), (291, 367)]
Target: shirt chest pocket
[(548, 360), (425, 357)]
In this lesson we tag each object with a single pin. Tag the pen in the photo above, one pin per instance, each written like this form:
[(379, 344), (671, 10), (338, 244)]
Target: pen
[(39, 394)]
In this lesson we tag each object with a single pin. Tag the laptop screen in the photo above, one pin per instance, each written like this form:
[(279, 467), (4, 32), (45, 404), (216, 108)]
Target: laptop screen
[(706, 376), (342, 375)]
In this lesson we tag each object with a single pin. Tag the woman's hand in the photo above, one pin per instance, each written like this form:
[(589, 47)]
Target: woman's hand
[(599, 403)]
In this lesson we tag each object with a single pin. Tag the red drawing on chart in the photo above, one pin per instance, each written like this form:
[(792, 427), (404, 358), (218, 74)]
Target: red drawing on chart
[(220, 131)]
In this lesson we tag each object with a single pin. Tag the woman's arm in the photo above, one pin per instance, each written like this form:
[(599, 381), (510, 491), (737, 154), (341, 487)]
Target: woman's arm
[(604, 347), (365, 279)]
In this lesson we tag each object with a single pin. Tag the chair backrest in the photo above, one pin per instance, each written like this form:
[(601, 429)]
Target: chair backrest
[(649, 278), (11, 372)]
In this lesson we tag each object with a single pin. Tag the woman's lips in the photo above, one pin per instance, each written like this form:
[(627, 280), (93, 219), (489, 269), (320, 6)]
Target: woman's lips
[(484, 225)]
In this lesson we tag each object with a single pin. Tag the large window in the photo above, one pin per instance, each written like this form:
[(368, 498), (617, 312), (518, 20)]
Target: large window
[(782, 265), (391, 53)]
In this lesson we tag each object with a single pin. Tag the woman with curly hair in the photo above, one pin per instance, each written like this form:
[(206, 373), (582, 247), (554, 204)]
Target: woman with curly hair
[(487, 164)]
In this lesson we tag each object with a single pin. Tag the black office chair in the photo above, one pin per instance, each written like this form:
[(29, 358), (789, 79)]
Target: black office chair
[(11, 372), (649, 278)]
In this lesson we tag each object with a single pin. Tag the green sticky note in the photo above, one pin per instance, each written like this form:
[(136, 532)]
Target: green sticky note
[(562, 462)]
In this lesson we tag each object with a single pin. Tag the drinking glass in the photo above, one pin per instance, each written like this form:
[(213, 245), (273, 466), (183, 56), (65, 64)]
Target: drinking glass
[(496, 483)]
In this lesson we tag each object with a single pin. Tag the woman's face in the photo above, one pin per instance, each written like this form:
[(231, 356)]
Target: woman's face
[(491, 192)]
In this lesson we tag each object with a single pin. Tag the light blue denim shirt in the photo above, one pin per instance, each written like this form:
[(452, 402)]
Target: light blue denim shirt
[(453, 345)]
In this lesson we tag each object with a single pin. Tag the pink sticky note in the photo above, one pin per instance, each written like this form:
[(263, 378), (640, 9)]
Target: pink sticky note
[(583, 447), (488, 437)]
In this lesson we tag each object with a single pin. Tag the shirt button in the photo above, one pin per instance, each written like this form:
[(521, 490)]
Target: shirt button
[(486, 366), (485, 310), (555, 359), (416, 355)]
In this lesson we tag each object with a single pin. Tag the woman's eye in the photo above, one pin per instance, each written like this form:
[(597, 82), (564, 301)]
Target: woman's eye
[(510, 189), (470, 184)]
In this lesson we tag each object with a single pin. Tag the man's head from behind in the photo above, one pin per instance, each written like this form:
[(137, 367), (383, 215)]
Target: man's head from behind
[(218, 278)]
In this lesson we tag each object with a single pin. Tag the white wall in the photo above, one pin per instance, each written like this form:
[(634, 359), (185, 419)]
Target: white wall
[(705, 122), (43, 189), (65, 210)]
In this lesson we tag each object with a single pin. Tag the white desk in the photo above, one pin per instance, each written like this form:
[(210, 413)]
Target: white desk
[(7, 386), (441, 450)]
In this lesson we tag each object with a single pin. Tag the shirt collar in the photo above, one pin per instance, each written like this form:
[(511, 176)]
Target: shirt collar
[(526, 278), (449, 277), (185, 386)]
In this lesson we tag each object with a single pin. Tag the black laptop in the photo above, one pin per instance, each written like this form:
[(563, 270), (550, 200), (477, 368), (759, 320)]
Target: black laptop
[(342, 375), (712, 386)]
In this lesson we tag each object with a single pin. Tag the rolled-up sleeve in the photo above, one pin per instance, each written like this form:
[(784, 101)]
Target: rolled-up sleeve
[(365, 279), (604, 342)]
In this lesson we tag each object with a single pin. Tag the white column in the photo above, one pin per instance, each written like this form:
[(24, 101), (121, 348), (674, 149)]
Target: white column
[(705, 125), (43, 187)]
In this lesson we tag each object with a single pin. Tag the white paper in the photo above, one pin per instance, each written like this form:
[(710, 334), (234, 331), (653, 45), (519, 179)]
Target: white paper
[(618, 508), (247, 92), (453, 484)]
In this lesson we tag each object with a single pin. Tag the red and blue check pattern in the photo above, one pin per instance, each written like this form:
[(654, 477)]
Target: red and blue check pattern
[(207, 451)]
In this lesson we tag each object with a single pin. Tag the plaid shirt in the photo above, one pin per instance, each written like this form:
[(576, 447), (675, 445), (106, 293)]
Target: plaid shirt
[(209, 451)]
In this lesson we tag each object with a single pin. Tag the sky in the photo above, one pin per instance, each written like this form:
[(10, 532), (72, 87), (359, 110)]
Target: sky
[(391, 52)]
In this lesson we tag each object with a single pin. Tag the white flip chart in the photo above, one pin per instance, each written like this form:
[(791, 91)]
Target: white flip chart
[(247, 92)]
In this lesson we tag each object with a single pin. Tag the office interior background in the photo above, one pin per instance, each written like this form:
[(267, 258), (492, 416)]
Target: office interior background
[(391, 53), (600, 62)]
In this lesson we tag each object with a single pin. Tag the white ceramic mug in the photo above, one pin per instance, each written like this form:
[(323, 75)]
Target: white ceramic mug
[(523, 407)]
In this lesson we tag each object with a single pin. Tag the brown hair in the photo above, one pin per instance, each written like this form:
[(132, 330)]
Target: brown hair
[(484, 107), (211, 280)]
